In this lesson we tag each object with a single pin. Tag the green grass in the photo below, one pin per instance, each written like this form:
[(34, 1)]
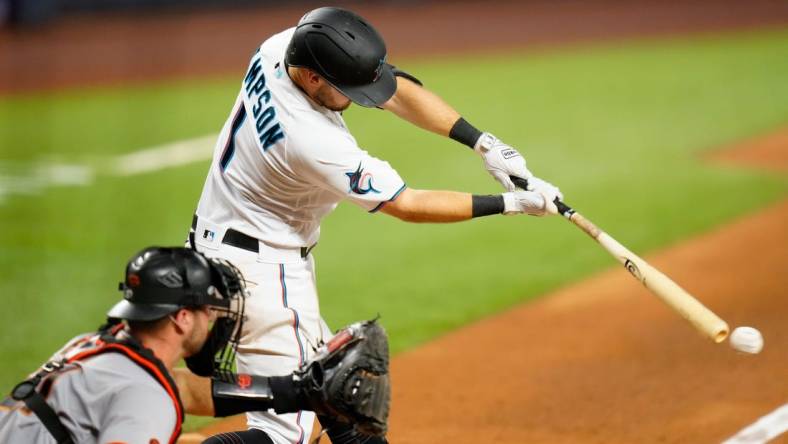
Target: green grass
[(620, 128)]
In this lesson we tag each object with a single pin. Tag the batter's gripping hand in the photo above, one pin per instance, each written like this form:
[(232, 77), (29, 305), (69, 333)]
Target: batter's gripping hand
[(545, 188), (501, 160), (529, 202), (354, 367)]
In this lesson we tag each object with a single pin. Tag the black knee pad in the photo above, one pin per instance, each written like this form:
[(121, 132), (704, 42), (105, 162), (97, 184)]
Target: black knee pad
[(251, 436), (343, 433)]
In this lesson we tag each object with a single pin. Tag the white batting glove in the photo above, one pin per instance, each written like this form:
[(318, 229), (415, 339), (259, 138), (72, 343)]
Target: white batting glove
[(544, 187), (529, 202), (501, 160)]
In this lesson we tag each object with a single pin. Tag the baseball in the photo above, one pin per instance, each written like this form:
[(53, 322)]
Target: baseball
[(747, 340)]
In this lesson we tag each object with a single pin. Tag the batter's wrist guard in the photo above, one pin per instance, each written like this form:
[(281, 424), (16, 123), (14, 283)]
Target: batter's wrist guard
[(487, 205), (465, 133)]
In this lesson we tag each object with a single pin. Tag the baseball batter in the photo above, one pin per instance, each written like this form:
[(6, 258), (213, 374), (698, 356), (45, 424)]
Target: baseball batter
[(285, 159)]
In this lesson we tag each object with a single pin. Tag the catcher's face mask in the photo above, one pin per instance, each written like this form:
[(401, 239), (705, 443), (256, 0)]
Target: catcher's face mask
[(226, 298), (162, 280)]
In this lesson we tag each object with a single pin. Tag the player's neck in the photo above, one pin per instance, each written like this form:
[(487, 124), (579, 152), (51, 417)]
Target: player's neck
[(296, 76), (168, 348)]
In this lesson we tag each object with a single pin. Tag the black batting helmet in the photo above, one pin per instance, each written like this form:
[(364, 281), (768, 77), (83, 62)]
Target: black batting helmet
[(346, 51), (161, 280)]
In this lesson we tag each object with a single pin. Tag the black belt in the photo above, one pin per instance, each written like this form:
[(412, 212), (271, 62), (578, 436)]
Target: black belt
[(239, 240)]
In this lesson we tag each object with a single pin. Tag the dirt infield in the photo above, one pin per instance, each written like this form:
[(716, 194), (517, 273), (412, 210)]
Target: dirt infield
[(604, 361), (769, 152)]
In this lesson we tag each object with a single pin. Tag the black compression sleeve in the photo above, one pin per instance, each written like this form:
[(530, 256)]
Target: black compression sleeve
[(465, 133), (232, 406), (487, 205), (251, 436)]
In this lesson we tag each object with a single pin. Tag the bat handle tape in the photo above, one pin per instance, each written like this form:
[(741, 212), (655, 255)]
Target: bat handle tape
[(563, 209)]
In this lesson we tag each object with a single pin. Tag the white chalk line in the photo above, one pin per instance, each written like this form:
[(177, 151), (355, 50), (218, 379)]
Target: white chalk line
[(17, 178), (764, 429), (170, 155)]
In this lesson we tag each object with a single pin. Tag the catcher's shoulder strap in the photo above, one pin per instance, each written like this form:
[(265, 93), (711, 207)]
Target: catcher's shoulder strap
[(26, 392), (110, 338)]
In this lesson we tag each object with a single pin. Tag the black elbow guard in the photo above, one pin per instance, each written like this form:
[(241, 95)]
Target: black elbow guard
[(234, 394)]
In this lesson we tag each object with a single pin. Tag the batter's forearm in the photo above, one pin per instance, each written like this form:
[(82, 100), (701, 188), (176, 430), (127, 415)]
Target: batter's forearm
[(430, 206), (442, 206), (422, 108), (426, 110)]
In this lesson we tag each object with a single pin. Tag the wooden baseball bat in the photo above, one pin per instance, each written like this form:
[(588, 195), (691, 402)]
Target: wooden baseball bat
[(703, 319)]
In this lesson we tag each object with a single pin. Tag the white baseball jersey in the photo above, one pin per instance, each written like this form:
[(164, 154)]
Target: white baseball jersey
[(106, 398), (282, 162)]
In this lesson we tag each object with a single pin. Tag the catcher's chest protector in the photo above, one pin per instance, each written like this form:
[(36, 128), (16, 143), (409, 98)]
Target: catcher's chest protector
[(105, 341)]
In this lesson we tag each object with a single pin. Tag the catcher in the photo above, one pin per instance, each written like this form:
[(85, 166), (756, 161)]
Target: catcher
[(115, 385)]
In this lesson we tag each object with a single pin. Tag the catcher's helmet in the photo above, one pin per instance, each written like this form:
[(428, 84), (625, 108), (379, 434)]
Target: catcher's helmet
[(346, 51), (161, 280)]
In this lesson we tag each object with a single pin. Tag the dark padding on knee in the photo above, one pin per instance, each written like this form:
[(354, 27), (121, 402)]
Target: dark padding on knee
[(251, 436)]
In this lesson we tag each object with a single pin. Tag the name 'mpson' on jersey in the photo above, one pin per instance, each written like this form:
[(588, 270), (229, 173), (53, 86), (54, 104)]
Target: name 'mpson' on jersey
[(282, 162), (268, 128)]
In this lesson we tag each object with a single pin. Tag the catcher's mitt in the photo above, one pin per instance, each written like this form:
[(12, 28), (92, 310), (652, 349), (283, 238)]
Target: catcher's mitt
[(348, 379)]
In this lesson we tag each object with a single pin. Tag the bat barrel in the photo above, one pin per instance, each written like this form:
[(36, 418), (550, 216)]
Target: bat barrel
[(703, 319)]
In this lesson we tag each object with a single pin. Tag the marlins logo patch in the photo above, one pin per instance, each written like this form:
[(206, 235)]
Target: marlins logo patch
[(361, 182), (379, 69)]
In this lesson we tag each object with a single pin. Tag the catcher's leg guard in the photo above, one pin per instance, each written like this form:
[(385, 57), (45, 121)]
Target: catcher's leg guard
[(251, 436)]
